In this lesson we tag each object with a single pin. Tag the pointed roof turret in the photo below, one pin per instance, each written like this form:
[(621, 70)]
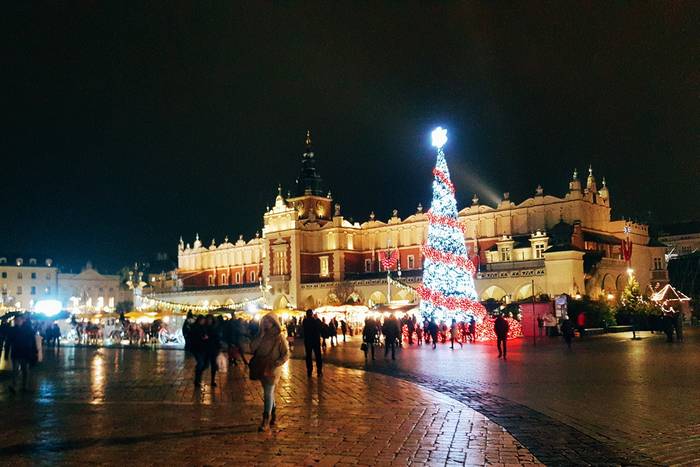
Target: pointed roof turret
[(309, 181), (590, 182), (575, 183)]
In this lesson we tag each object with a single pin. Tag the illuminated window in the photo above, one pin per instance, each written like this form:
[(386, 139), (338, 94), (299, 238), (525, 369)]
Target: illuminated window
[(252, 276), (223, 279), (658, 264), (324, 266), (411, 261), (368, 265), (505, 254), (238, 278), (350, 242), (539, 251), (211, 280)]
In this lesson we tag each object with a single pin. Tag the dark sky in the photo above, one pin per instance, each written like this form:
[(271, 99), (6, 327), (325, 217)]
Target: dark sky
[(125, 126)]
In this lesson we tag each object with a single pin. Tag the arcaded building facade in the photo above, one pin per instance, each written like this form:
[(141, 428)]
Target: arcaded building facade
[(308, 253)]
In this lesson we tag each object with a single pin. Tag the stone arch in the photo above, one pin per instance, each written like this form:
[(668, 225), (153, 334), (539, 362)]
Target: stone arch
[(523, 292), (608, 284), (620, 283), (215, 303), (229, 302), (495, 292), (405, 295), (376, 298), (280, 302)]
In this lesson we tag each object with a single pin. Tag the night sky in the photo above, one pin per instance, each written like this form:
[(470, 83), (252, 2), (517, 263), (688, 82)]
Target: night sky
[(125, 126)]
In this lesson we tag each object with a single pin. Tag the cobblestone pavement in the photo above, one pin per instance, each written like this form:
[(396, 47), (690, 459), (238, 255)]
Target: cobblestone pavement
[(92, 406), (609, 401)]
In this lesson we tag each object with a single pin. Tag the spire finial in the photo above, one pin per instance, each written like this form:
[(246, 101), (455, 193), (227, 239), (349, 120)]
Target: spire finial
[(590, 170), (604, 184), (308, 138), (575, 174), (279, 189)]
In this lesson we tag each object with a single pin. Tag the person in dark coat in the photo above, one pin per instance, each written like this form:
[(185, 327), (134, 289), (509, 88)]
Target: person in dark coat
[(433, 331), (567, 330), (369, 336), (23, 350), (500, 327), (311, 327), (678, 324), (199, 340), (187, 331), (344, 328), (213, 346), (411, 326), (392, 331)]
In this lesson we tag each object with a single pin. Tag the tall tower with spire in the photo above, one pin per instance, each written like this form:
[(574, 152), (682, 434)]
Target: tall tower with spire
[(310, 200)]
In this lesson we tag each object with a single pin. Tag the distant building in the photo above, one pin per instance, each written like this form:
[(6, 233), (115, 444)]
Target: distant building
[(24, 280), (91, 291), (308, 251), (682, 238)]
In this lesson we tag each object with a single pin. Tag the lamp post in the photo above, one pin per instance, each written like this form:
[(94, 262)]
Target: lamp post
[(534, 320)]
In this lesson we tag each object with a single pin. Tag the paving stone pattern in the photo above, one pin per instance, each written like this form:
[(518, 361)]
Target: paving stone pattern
[(139, 407), (611, 401)]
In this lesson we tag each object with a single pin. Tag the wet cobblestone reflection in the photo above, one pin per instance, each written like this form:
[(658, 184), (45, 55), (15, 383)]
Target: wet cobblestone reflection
[(116, 406)]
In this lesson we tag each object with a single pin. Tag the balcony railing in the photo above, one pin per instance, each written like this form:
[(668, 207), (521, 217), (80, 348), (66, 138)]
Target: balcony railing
[(512, 265)]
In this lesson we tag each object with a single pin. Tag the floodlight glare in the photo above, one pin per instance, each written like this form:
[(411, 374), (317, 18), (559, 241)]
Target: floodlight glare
[(48, 307)]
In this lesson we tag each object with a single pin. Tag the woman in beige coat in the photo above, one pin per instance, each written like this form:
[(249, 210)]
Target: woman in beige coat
[(271, 352)]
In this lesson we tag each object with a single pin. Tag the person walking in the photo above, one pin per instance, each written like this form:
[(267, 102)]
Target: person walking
[(472, 330), (369, 337), (333, 331), (270, 352), (198, 347), (311, 326), (567, 330), (23, 350), (391, 332), (213, 346), (344, 328), (187, 331), (411, 326), (433, 331), (455, 334), (500, 327), (678, 324), (419, 334)]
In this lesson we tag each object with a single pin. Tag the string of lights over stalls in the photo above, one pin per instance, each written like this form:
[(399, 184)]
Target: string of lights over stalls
[(448, 290)]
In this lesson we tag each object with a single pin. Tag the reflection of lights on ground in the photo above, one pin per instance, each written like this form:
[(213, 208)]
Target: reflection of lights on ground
[(97, 379)]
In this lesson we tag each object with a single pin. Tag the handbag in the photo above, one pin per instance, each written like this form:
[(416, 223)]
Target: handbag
[(256, 367), (363, 347)]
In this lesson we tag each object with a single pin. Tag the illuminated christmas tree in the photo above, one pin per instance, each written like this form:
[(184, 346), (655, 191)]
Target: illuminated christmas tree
[(448, 288)]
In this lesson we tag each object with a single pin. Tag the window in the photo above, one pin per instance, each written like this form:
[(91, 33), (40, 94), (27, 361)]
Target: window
[(4, 275), (32, 260), (33, 290), (350, 242), (19, 290), (368, 265), (411, 261), (539, 251), (33, 275), (19, 275), (3, 260), (111, 289), (505, 254), (101, 290), (224, 279), (252, 276), (19, 261), (324, 266), (211, 280), (48, 276), (658, 264), (238, 278)]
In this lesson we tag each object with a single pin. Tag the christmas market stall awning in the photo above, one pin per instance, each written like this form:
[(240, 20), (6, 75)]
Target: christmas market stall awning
[(669, 294)]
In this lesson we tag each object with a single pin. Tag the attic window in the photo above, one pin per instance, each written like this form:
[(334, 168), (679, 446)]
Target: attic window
[(32, 260), (3, 260)]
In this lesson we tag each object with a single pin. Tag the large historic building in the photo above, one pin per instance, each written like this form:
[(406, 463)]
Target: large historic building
[(24, 280), (309, 255)]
